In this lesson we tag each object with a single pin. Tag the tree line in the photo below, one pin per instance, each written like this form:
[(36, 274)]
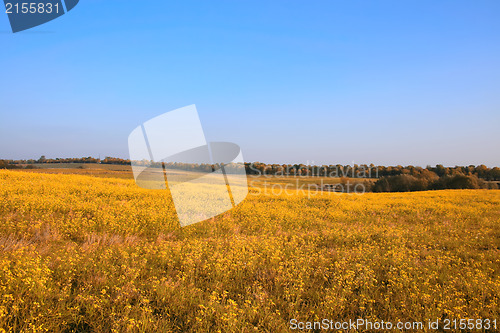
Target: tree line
[(385, 178)]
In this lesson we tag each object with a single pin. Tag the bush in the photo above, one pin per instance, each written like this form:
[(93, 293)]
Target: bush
[(5, 164), (430, 181), (459, 182), (404, 183), (492, 186)]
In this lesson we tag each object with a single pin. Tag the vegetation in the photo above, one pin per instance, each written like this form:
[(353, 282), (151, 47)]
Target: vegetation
[(408, 183), (87, 254), (335, 171), (374, 178)]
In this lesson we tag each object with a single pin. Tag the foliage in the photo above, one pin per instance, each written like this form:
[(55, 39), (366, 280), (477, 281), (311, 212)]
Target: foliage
[(408, 183), (334, 171)]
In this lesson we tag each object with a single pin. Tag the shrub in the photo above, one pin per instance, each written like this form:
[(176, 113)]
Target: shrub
[(5, 164), (459, 182), (404, 183), (492, 186)]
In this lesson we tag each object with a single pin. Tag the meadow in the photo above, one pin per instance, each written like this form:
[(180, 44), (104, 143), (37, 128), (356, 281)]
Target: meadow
[(89, 251)]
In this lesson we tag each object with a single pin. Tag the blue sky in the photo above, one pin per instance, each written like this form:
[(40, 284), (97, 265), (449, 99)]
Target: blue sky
[(384, 82)]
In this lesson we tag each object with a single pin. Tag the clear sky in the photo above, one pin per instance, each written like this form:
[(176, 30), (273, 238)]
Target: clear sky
[(374, 81)]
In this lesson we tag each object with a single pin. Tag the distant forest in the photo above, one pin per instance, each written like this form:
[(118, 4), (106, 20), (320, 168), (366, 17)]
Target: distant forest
[(385, 179)]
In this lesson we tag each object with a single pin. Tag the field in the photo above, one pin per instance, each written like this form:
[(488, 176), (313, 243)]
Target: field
[(92, 252)]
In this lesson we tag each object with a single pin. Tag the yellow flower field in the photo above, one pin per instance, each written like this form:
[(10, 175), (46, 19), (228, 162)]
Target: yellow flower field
[(87, 254)]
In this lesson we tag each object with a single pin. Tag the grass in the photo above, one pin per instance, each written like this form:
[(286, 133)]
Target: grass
[(125, 172), (98, 254), (89, 169)]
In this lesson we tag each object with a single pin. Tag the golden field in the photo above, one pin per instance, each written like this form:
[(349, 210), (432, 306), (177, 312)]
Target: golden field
[(93, 254)]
